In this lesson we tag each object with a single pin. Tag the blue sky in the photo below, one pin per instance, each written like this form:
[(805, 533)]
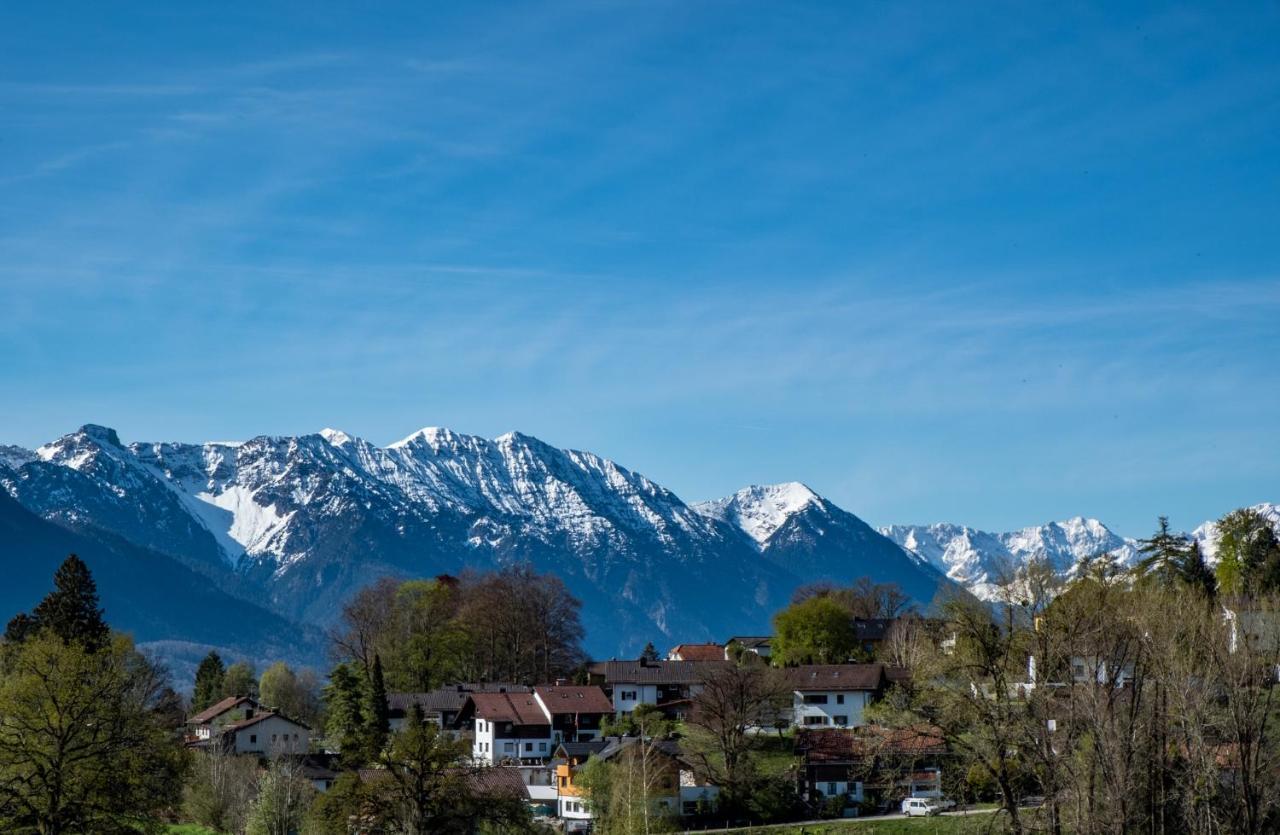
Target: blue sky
[(994, 265)]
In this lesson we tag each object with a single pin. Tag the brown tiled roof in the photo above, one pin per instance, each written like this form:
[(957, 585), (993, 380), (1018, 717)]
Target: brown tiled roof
[(699, 652), (519, 708), (660, 672), (244, 723), (499, 781), (214, 711), (834, 745), (572, 699), (836, 676), (446, 698)]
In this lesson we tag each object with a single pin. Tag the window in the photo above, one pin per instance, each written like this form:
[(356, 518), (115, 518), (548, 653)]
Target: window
[(528, 746), (253, 739), (273, 737), (815, 720), (839, 698), (815, 699), (833, 789), (627, 695), (508, 748), (840, 720), (542, 746)]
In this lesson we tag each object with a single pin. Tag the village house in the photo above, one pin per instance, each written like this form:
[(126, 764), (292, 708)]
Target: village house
[(835, 695), (526, 727), (243, 726), (670, 685), (761, 645), (576, 711), (696, 652), (678, 786), (870, 767), (442, 705)]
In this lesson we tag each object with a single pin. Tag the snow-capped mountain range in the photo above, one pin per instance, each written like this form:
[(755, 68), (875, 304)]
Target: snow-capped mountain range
[(294, 525), (980, 561)]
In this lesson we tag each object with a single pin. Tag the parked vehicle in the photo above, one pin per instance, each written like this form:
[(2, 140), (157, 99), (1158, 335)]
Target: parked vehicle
[(919, 807)]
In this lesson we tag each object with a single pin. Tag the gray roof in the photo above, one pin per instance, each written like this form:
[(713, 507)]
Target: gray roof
[(659, 672)]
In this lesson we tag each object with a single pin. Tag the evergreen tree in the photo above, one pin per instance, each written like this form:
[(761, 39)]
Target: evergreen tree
[(71, 610), (210, 676), (376, 711), (650, 653), (1197, 574), (1163, 555), (344, 709), (20, 628)]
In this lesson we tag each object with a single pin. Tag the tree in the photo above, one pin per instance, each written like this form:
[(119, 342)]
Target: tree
[(1248, 554), (1163, 554), (816, 630), (70, 611), (240, 680), (649, 653), (623, 792), (81, 749), (722, 730), (293, 694), (344, 702), (428, 791), (209, 684), (376, 711), (284, 795), (220, 789)]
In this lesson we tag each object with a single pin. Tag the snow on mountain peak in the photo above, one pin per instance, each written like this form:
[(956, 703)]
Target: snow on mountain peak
[(433, 436), (759, 510), (978, 559), (336, 437)]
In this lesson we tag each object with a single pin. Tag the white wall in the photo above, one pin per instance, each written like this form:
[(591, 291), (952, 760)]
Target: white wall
[(645, 694), (490, 746), (272, 736), (848, 704)]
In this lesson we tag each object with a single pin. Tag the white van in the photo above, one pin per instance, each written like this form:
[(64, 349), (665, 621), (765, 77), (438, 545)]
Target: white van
[(917, 807)]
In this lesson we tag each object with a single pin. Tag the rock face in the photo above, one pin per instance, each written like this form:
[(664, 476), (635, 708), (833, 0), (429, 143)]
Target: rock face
[(297, 524)]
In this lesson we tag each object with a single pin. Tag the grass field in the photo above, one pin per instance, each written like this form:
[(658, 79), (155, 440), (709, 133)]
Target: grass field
[(978, 824)]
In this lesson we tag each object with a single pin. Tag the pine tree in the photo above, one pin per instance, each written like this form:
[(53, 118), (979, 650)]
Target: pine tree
[(1164, 554), (209, 682), (345, 716), (21, 627), (650, 653), (1197, 574), (71, 610), (376, 710)]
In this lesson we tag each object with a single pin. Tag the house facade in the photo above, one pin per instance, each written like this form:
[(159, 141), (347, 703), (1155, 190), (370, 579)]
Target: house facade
[(869, 767), (669, 685), (525, 728), (834, 695)]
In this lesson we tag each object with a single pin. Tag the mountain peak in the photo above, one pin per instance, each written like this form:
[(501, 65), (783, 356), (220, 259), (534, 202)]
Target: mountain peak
[(431, 435), (335, 436), (759, 510), (100, 434)]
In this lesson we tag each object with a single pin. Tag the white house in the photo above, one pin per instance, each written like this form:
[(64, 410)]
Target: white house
[(509, 728), (670, 685), (267, 733), (834, 695)]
